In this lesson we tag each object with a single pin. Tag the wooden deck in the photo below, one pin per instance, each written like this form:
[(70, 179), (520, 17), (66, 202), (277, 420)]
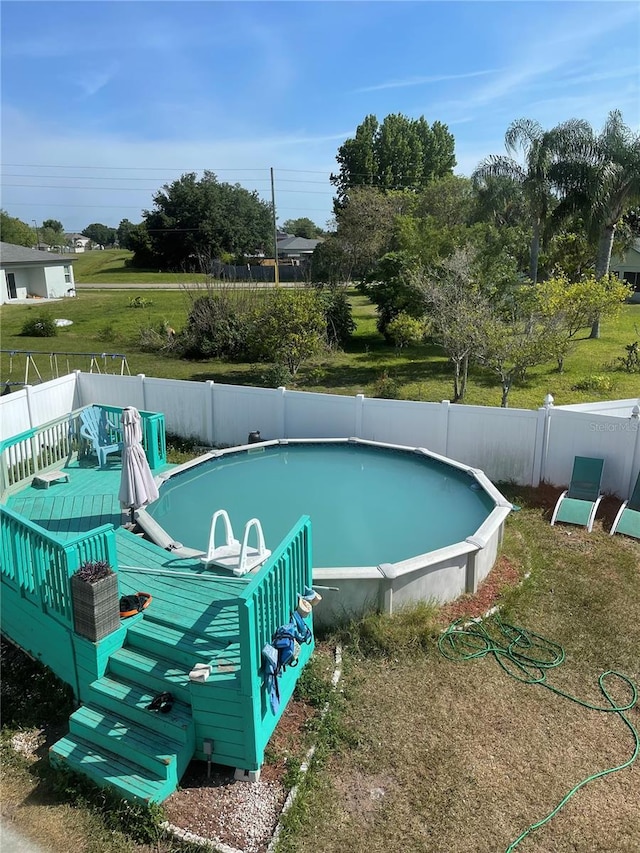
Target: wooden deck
[(197, 615)]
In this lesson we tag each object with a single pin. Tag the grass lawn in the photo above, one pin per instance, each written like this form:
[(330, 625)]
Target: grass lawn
[(432, 755), (105, 321), (108, 267), (418, 752)]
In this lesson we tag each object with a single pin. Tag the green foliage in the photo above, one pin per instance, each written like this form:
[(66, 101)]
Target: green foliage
[(139, 302), (53, 224), (330, 262), (194, 221), (576, 305), (15, 231), (392, 288), (595, 382), (302, 227), (290, 328), (277, 376), (41, 326), (181, 449), (631, 361), (216, 328), (338, 316), (408, 631), (31, 694), (404, 330), (101, 234), (386, 387), (397, 154)]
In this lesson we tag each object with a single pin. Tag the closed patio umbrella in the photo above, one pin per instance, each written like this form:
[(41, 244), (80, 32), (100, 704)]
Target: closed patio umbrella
[(137, 486)]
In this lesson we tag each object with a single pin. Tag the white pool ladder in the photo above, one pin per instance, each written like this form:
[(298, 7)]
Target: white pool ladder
[(240, 558)]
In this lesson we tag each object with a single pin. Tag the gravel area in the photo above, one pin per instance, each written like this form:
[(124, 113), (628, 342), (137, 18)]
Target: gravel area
[(241, 815)]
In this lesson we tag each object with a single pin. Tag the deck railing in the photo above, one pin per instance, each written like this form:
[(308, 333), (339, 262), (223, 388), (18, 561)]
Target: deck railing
[(38, 564), (268, 600), (53, 444)]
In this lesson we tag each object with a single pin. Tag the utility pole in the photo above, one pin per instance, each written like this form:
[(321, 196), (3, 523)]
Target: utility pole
[(37, 234), (275, 229)]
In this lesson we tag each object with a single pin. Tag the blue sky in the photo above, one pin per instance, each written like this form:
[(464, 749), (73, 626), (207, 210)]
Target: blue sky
[(103, 102)]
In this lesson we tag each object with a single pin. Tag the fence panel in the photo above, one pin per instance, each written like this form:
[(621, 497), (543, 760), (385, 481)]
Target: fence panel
[(14, 414), (186, 406), (111, 390), (616, 440), (53, 399), (405, 422), (502, 442), (239, 410), (319, 415)]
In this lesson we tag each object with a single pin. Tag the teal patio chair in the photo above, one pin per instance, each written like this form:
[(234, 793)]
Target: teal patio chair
[(579, 503), (628, 518), (98, 429)]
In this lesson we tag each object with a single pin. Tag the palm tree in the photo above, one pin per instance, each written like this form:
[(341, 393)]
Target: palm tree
[(600, 178), (540, 150)]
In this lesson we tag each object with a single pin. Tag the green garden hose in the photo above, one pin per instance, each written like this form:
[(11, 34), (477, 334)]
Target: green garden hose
[(527, 656)]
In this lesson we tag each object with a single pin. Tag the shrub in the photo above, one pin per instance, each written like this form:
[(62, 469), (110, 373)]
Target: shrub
[(215, 329), (140, 302), (338, 316), (404, 330), (276, 376), (41, 326), (386, 387), (595, 383), (631, 362)]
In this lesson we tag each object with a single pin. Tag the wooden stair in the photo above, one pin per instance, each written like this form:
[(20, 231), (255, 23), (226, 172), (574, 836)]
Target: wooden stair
[(114, 739)]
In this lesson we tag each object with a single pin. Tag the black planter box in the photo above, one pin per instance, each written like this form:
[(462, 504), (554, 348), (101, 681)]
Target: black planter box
[(96, 607)]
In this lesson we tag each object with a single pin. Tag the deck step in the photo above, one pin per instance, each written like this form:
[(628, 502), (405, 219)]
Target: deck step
[(108, 731), (106, 769), (185, 647), (151, 671), (130, 700)]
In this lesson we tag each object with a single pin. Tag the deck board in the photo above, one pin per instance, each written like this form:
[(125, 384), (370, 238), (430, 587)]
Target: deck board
[(198, 599)]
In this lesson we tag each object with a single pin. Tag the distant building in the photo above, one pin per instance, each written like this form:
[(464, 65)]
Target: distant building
[(296, 249), (30, 273), (627, 267)]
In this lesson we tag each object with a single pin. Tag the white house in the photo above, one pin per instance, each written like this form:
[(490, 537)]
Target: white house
[(29, 273), (627, 267)]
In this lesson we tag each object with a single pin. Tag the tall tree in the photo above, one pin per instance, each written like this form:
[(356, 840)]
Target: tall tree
[(600, 178), (540, 151), (14, 230), (302, 227), (194, 221), (104, 235), (400, 153), (53, 224)]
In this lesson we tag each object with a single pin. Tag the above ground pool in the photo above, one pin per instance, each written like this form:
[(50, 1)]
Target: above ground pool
[(407, 520), (368, 505)]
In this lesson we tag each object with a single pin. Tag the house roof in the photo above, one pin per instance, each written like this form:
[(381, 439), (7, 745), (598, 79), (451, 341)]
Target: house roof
[(11, 254), (297, 244)]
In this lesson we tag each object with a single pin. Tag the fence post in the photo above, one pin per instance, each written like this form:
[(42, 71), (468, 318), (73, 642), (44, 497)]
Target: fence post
[(142, 377), (544, 451), (283, 412), (209, 412), (359, 405), (29, 389), (634, 423), (445, 406)]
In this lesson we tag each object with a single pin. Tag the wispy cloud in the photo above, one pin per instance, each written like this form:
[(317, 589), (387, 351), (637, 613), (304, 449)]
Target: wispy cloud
[(92, 81), (423, 81)]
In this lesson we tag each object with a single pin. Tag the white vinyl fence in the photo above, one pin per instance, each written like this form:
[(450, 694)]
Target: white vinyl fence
[(522, 446)]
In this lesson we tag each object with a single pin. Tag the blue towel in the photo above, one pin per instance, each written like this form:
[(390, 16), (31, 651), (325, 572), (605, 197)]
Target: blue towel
[(269, 667)]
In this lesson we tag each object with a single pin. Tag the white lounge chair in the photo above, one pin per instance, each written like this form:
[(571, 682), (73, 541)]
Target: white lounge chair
[(239, 558)]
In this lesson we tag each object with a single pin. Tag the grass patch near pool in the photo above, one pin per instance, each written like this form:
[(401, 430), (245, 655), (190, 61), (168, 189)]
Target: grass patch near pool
[(457, 757)]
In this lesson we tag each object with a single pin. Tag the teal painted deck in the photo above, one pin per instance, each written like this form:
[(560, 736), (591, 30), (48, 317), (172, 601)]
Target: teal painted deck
[(195, 616)]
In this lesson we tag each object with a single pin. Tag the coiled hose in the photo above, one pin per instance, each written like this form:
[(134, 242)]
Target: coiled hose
[(527, 656)]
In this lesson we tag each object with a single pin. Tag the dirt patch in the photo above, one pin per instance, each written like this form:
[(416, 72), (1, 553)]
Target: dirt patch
[(503, 575)]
